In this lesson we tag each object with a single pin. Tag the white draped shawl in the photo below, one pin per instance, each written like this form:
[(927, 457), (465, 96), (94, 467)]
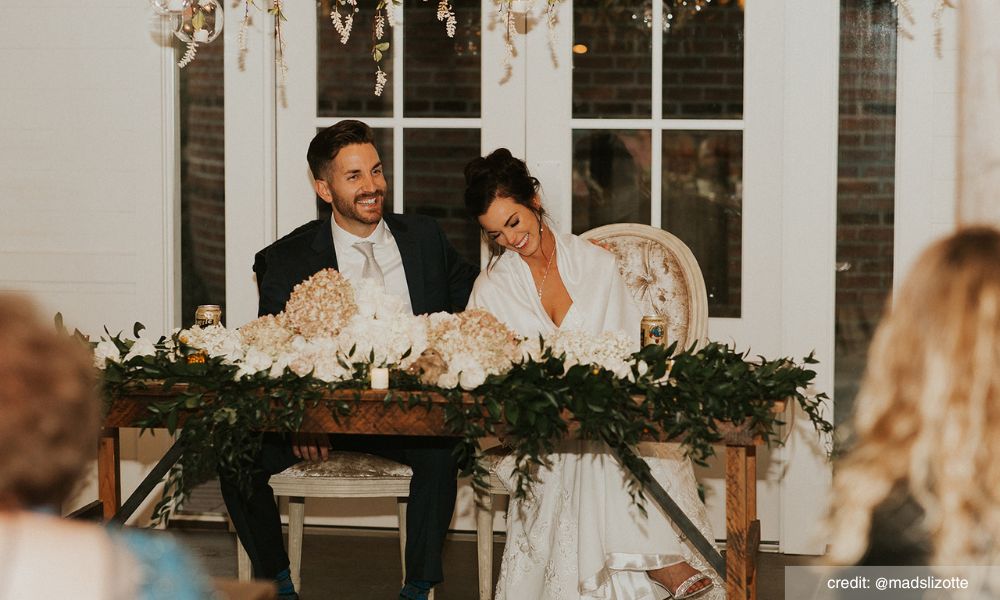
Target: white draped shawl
[(579, 535), (601, 301)]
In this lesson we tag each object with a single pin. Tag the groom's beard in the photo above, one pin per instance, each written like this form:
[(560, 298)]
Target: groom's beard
[(355, 210)]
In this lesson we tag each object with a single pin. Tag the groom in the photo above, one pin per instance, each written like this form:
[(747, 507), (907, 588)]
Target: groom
[(410, 255)]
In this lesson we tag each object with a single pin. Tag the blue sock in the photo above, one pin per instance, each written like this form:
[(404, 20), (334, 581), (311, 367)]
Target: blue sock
[(416, 589), (284, 583)]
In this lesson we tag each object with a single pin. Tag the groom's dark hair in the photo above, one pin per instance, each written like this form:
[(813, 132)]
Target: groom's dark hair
[(328, 143)]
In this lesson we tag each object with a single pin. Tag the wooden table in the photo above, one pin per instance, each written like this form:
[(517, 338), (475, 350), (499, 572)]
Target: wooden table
[(372, 416)]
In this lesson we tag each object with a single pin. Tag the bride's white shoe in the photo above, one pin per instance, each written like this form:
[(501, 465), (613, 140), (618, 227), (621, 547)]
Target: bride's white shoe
[(683, 591)]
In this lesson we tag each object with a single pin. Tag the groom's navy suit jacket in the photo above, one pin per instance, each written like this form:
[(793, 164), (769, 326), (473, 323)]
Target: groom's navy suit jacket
[(437, 277)]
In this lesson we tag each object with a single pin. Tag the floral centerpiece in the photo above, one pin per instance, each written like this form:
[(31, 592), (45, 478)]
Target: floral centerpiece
[(264, 375)]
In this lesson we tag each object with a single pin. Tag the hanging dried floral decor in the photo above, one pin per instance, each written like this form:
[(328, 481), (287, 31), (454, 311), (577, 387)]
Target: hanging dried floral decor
[(200, 21)]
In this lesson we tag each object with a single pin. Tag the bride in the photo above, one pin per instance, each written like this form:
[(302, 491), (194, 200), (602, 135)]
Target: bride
[(578, 535)]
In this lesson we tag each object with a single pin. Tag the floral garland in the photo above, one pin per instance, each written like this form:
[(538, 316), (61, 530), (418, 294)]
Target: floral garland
[(267, 373)]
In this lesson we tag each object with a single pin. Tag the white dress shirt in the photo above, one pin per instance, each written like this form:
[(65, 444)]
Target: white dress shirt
[(350, 260)]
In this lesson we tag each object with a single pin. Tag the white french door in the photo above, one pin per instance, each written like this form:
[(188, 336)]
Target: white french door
[(634, 132), (752, 185)]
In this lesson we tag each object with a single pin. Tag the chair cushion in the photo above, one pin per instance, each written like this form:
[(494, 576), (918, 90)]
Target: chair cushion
[(349, 464)]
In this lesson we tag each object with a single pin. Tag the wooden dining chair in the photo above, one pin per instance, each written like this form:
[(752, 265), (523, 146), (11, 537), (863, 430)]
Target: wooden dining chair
[(342, 475)]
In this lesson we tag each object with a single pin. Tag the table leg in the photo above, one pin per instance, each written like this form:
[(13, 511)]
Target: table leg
[(109, 488), (742, 526)]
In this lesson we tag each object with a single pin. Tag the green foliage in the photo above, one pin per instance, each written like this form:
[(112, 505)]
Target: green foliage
[(679, 395)]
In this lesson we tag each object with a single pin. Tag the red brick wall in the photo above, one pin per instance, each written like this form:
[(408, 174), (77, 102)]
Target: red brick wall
[(442, 74), (614, 77), (345, 74), (703, 62), (701, 200), (434, 161), (866, 176), (203, 215)]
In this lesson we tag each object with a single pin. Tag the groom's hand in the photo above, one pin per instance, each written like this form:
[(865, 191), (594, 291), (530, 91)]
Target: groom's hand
[(311, 446)]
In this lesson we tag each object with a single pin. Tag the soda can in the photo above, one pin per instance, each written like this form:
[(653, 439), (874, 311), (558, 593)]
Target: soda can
[(654, 331), (208, 314)]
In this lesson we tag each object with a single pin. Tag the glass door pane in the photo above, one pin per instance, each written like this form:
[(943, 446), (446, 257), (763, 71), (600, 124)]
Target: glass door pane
[(345, 73), (434, 164), (441, 74), (865, 186), (610, 177), (703, 59), (702, 204), (612, 62)]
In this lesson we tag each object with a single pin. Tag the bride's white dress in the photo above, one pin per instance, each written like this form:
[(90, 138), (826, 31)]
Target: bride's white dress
[(579, 534)]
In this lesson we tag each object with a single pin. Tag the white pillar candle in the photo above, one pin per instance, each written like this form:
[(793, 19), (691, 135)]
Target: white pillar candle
[(201, 35), (380, 378)]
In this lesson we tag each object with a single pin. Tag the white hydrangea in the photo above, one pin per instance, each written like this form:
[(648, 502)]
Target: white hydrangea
[(374, 303), (254, 361), (609, 350), (281, 361), (216, 341), (472, 377), (388, 338), (448, 381), (320, 356), (328, 363), (106, 350), (141, 347)]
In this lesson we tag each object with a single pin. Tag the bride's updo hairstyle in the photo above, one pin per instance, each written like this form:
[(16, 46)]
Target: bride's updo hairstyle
[(499, 175)]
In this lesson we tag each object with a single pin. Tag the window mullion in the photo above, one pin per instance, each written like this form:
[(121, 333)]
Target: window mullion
[(656, 147), (397, 110)]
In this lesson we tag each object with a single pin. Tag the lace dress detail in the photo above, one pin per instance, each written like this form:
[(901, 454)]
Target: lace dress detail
[(578, 534)]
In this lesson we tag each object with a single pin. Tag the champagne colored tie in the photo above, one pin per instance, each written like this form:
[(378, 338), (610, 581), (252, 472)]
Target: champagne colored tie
[(371, 269)]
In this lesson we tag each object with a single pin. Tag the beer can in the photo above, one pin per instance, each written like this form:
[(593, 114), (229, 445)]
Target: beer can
[(654, 331), (208, 314)]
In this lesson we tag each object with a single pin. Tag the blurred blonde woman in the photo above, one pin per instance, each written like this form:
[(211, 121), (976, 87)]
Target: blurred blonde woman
[(922, 483), (49, 424)]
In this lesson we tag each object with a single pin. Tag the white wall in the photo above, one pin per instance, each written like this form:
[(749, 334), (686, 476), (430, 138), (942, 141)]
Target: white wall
[(926, 135), (87, 174)]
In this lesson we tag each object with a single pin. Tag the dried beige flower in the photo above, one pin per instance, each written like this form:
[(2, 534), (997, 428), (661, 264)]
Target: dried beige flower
[(321, 305)]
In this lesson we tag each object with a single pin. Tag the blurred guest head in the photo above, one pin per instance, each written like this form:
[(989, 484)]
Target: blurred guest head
[(927, 420), (49, 409)]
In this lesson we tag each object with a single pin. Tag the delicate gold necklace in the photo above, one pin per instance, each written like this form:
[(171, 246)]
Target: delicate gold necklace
[(541, 286)]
